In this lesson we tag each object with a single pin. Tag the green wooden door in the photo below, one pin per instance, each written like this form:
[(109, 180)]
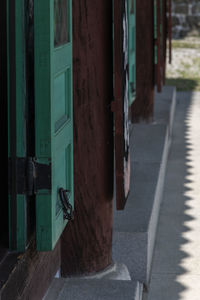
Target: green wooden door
[(16, 122), (53, 114), (132, 49)]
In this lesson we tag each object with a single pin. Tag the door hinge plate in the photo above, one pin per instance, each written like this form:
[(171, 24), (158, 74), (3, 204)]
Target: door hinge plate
[(28, 176)]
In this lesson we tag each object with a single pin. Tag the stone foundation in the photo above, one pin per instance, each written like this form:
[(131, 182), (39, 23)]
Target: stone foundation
[(185, 18)]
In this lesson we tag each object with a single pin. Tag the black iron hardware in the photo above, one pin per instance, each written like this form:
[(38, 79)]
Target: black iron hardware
[(30, 176), (132, 87), (67, 207)]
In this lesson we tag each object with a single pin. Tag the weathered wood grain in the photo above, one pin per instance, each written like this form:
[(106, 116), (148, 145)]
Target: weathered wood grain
[(142, 108), (87, 241), (28, 276)]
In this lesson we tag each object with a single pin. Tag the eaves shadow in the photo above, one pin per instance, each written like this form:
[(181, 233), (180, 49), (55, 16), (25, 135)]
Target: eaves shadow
[(176, 269)]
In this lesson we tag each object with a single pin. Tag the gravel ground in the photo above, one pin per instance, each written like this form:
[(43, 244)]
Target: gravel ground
[(184, 72)]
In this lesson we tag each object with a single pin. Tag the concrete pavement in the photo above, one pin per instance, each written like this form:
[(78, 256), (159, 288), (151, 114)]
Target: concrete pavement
[(134, 229), (176, 263)]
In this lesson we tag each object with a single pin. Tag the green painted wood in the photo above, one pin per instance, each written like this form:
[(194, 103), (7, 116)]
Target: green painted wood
[(53, 114), (19, 98), (21, 122), (8, 95), (131, 4), (20, 80)]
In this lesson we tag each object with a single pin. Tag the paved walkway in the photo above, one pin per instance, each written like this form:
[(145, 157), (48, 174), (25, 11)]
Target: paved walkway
[(176, 264)]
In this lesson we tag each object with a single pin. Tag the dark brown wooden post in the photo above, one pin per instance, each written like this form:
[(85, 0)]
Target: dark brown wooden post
[(87, 241), (170, 29), (164, 38), (159, 49), (142, 108)]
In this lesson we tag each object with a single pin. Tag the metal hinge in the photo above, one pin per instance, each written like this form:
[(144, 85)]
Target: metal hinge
[(132, 87), (28, 176)]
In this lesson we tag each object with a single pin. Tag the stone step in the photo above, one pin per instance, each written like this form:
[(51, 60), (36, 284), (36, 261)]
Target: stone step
[(135, 227), (93, 289)]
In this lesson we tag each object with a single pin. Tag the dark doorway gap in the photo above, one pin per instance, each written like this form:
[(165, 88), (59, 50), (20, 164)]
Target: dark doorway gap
[(30, 130), (30, 108)]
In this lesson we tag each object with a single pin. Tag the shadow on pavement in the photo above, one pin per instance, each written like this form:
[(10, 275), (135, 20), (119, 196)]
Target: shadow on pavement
[(176, 267), (183, 84)]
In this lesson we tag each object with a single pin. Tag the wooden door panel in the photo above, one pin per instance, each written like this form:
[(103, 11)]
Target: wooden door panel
[(54, 114), (16, 123), (120, 104), (131, 6)]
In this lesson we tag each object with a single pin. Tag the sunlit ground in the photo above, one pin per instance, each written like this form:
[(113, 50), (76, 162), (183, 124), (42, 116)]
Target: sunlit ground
[(191, 264), (176, 267), (184, 72)]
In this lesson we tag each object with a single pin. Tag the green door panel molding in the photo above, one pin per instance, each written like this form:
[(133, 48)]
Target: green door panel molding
[(16, 119), (53, 114)]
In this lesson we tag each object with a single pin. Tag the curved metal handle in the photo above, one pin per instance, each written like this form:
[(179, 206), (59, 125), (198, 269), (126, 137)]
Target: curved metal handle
[(67, 207)]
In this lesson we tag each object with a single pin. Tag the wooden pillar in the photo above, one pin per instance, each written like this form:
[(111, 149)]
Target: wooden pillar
[(164, 36), (87, 241), (142, 108)]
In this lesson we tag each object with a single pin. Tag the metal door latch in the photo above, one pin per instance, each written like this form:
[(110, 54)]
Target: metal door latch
[(67, 207), (132, 87)]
